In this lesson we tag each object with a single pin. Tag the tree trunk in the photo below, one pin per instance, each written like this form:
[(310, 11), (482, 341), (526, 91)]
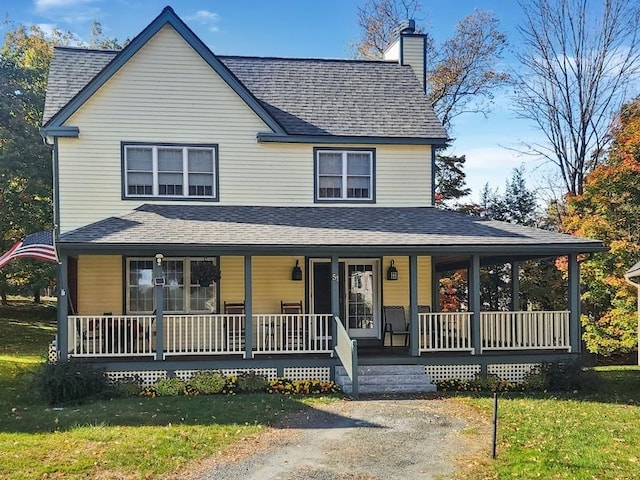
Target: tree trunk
[(36, 296)]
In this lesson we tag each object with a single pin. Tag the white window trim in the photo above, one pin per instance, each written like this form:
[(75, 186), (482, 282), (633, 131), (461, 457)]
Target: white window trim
[(185, 171), (186, 272), (344, 176)]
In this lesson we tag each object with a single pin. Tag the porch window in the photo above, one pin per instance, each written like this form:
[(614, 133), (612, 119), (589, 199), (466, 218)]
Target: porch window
[(344, 175), (179, 297), (173, 171)]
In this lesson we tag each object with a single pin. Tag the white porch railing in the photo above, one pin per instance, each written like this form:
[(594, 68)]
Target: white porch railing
[(292, 333), (525, 330), (134, 335), (204, 334), (110, 335), (445, 332)]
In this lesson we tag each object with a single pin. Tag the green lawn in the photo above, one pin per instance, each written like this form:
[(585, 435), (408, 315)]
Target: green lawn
[(124, 438), (570, 436)]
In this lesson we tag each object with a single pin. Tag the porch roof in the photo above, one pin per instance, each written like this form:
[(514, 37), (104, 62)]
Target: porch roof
[(211, 230)]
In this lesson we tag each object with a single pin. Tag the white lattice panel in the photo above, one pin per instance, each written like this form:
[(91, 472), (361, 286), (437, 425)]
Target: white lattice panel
[(308, 373), (52, 354), (146, 377), (449, 372), (512, 372)]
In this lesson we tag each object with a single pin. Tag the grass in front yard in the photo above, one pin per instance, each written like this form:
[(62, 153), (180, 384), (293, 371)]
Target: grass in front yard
[(125, 438), (570, 436)]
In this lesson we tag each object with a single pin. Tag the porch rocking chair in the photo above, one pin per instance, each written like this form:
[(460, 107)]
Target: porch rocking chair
[(292, 331), (395, 323), (236, 332)]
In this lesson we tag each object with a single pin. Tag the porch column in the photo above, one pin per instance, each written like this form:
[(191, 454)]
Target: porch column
[(474, 302), (435, 287), (574, 304), (414, 324), (335, 297), (515, 286), (62, 345), (158, 292), (248, 308)]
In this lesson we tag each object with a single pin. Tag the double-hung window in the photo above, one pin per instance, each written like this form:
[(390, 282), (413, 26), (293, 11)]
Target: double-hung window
[(170, 171), (344, 175)]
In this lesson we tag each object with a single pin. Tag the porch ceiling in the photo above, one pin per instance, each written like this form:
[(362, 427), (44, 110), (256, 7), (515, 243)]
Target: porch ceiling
[(240, 230)]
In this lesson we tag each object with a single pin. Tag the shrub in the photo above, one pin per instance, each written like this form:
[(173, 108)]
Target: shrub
[(64, 382), (481, 383), (561, 376), (128, 387), (252, 382), (303, 387), (231, 386), (207, 383), (169, 387)]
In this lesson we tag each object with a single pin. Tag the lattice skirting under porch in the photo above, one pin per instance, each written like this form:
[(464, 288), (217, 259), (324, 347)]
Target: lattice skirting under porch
[(292, 373), (512, 372)]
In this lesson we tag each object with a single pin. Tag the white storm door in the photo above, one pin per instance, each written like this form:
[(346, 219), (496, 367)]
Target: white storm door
[(361, 298)]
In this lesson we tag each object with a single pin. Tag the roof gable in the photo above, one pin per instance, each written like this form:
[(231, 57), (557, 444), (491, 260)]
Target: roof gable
[(167, 17)]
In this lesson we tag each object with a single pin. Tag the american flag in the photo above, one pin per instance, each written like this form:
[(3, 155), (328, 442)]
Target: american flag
[(37, 245)]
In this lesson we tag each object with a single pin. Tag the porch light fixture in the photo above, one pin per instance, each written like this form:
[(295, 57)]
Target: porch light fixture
[(392, 271), (296, 272), (159, 258)]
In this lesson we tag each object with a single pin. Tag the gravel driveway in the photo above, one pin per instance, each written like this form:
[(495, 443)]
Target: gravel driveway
[(366, 439)]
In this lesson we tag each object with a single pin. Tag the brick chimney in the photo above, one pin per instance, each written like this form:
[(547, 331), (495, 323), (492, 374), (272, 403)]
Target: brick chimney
[(409, 48)]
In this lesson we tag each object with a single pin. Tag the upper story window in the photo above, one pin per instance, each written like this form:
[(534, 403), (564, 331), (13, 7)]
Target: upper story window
[(170, 171), (344, 175)]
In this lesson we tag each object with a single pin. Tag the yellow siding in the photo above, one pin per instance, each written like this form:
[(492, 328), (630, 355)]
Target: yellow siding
[(272, 283), (99, 284), (396, 292), (231, 280), (167, 93)]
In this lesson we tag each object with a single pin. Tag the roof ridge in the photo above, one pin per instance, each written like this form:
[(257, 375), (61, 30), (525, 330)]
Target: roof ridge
[(83, 49), (297, 59)]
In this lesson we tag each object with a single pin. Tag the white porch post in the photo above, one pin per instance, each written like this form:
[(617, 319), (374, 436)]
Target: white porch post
[(63, 309), (158, 292), (248, 308), (414, 324), (515, 286), (574, 304), (335, 297), (474, 302)]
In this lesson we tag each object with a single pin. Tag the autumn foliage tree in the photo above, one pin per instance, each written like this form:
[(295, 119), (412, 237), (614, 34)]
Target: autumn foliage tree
[(609, 209)]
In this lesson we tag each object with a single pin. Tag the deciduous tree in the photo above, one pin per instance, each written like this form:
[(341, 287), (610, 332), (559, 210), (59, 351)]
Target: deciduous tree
[(577, 59)]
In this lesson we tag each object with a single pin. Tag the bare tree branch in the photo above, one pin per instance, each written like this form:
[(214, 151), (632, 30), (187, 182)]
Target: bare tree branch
[(577, 60)]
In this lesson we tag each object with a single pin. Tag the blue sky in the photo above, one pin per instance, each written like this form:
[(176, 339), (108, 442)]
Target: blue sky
[(302, 28)]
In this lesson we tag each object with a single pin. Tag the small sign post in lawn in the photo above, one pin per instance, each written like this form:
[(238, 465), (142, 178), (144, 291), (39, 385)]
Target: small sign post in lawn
[(494, 436)]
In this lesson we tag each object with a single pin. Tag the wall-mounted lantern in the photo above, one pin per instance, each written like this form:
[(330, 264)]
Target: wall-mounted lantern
[(392, 271), (296, 272)]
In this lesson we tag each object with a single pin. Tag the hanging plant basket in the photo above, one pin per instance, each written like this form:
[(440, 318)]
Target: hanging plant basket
[(205, 272)]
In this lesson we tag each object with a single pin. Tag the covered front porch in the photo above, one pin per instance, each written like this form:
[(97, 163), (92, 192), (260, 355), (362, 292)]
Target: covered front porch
[(130, 293)]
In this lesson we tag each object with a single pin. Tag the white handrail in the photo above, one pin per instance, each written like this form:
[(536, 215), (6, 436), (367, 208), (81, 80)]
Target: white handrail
[(548, 330), (445, 331), (292, 333), (110, 335)]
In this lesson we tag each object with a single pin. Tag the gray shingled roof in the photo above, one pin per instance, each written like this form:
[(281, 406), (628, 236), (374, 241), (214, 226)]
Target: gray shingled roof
[(306, 96), (70, 70), (339, 97), (311, 228)]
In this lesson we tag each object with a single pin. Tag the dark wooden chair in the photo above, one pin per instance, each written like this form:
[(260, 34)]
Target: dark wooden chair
[(293, 332), (234, 327), (395, 323)]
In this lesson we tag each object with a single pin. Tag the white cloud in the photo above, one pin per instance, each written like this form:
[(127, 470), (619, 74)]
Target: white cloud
[(47, 28), (205, 17), (44, 5)]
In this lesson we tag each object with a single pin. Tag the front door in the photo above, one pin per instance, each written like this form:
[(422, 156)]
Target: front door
[(358, 287)]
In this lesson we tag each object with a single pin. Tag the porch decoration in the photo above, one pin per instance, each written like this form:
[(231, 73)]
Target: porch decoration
[(296, 272), (205, 272), (392, 271)]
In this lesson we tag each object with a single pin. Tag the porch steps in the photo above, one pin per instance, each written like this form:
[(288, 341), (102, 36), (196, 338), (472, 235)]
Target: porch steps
[(387, 379)]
